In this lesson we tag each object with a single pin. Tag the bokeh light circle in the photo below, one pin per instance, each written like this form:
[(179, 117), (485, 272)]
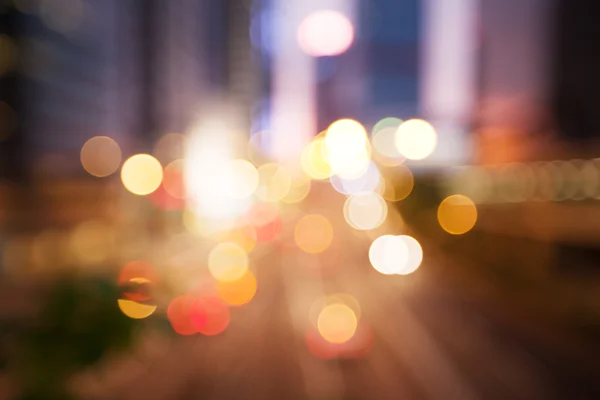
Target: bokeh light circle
[(213, 314), (337, 323), (337, 298), (398, 184), (385, 123), (243, 234), (415, 255), (313, 233), (365, 211), (179, 313), (389, 254), (173, 179), (325, 33), (170, 147), (416, 139), (100, 156), (274, 183), (314, 162), (227, 262), (135, 310), (141, 174), (299, 189), (347, 148), (383, 138), (238, 292), (457, 214), (266, 220), (345, 133)]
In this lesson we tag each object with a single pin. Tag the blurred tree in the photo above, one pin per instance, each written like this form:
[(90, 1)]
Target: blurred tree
[(78, 323)]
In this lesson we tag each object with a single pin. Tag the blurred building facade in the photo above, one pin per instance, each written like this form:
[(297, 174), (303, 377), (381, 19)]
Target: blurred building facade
[(538, 81)]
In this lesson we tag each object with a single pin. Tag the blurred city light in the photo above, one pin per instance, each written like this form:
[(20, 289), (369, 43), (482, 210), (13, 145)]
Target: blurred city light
[(173, 179), (314, 162), (243, 234), (415, 255), (210, 315), (245, 179), (141, 174), (416, 139), (369, 181), (211, 176), (136, 310), (274, 183), (365, 211), (457, 214), (337, 298), (181, 312), (227, 262), (266, 219), (347, 148), (337, 323), (389, 254), (100, 156), (299, 189), (170, 147), (313, 233), (280, 159), (398, 184), (325, 33), (238, 292), (383, 138)]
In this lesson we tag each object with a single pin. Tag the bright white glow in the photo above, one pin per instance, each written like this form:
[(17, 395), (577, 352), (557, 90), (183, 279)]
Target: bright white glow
[(347, 148), (415, 255), (325, 33), (349, 164), (345, 134), (389, 254), (416, 139), (245, 179), (210, 175)]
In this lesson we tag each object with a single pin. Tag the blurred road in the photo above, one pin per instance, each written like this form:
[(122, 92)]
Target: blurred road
[(432, 341)]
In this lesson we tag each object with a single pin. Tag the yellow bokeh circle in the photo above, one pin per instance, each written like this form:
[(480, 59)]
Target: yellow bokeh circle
[(313, 233), (135, 310), (457, 214), (227, 262), (337, 323), (314, 161), (141, 174), (239, 291)]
